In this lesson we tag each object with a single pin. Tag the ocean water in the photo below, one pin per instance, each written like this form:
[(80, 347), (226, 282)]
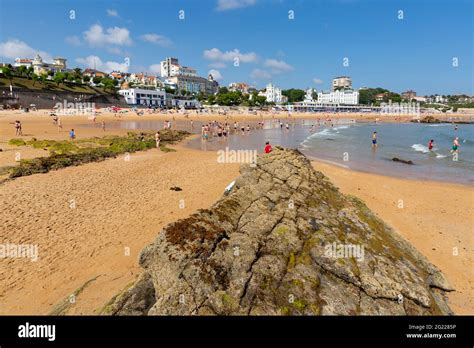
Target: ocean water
[(349, 145)]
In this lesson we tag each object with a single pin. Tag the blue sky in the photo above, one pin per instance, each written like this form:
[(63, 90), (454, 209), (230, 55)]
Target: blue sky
[(416, 52)]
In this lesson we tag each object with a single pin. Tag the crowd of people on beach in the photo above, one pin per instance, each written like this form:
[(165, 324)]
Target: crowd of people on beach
[(223, 129)]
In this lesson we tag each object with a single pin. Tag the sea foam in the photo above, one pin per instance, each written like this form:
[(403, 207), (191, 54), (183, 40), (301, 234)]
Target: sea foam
[(420, 148)]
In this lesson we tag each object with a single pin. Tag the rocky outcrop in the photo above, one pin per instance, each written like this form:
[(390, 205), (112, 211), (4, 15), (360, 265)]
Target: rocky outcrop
[(428, 119), (285, 241)]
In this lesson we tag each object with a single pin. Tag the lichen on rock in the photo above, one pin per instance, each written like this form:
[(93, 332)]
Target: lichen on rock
[(285, 241)]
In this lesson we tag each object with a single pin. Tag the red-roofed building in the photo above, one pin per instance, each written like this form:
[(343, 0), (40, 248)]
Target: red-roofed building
[(93, 73)]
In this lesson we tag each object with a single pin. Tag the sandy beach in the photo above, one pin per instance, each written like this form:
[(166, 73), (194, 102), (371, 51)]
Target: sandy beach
[(120, 207), (90, 222)]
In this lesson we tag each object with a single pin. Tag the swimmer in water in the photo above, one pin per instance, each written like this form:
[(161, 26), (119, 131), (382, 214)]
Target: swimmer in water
[(431, 145), (374, 139)]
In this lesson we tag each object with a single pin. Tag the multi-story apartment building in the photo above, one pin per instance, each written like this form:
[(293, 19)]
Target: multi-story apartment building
[(171, 67), (341, 82), (194, 84), (349, 97)]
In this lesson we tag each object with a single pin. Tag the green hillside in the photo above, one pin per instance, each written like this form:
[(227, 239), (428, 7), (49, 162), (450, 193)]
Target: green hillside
[(50, 86)]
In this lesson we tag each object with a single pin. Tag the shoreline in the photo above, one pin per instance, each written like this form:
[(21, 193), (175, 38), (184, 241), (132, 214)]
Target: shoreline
[(393, 176)]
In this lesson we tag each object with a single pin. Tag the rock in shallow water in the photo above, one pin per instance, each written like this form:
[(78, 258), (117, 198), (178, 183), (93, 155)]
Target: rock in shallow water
[(285, 241)]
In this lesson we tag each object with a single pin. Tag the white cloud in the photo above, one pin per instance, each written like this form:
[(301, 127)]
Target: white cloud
[(155, 68), (96, 36), (14, 48), (260, 74), (73, 40), (217, 65), (94, 61), (160, 40), (216, 74), (277, 66), (224, 5), (217, 55), (112, 13), (317, 81)]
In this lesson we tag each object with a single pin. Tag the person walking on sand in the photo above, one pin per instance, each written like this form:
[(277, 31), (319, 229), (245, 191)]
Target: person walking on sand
[(103, 125), (374, 139), (431, 145), (17, 127), (157, 139), (72, 134), (268, 147), (60, 125)]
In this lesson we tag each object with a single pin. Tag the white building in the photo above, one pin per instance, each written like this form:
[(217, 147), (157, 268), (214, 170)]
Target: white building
[(341, 82), (145, 97), (185, 103), (349, 97), (23, 62), (171, 67), (41, 67), (273, 94), (308, 98)]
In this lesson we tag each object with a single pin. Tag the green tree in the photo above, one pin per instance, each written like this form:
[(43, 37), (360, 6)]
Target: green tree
[(259, 100), (294, 95), (35, 78), (59, 78), (22, 70), (97, 79), (201, 96), (367, 95), (212, 99), (109, 84), (43, 77), (7, 73), (86, 78), (229, 98), (30, 72)]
